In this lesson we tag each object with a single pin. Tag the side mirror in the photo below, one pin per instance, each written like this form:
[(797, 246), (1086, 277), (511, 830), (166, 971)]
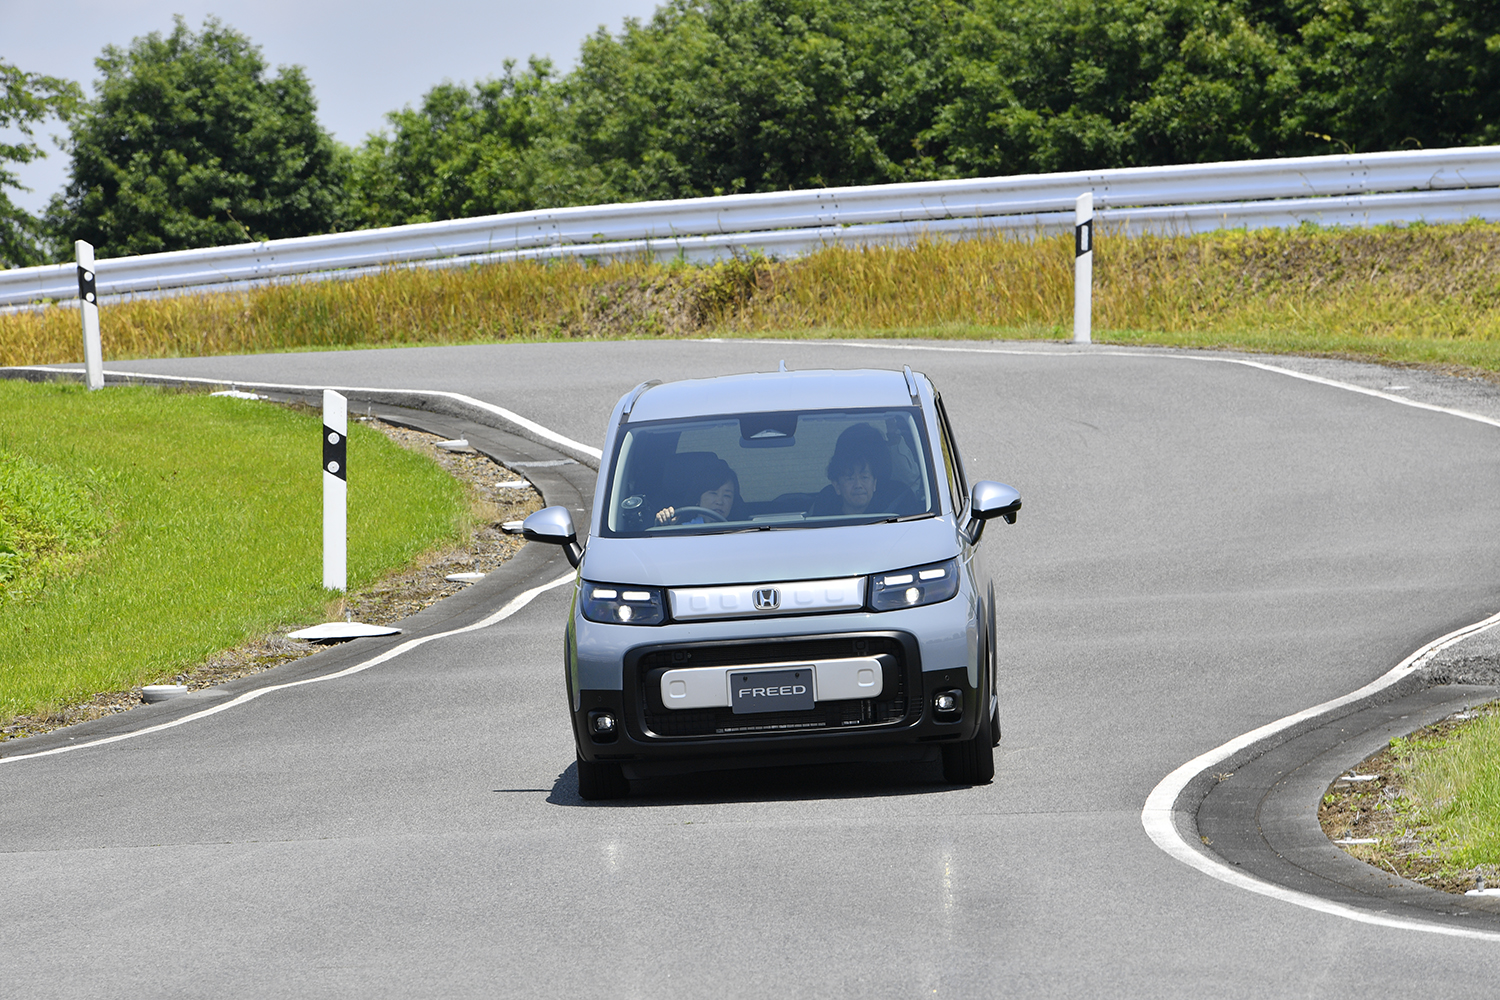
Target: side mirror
[(989, 500), (555, 525)]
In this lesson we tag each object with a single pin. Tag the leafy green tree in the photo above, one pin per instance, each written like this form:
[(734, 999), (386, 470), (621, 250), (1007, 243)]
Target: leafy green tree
[(719, 96), (499, 146), (1073, 84), (761, 95), (188, 143), (26, 99), (1401, 74)]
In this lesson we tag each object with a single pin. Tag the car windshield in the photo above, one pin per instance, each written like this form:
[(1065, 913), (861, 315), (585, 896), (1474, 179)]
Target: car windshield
[(752, 471)]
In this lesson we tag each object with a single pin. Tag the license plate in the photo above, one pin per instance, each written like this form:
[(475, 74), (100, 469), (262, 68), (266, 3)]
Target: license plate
[(753, 691)]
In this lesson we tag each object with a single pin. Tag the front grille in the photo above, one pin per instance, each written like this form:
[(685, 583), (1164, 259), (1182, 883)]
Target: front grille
[(890, 708)]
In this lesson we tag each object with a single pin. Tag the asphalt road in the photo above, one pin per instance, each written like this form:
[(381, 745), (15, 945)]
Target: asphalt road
[(1205, 547)]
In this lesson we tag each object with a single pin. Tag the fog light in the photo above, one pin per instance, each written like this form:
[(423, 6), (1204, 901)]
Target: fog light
[(948, 705), (602, 726)]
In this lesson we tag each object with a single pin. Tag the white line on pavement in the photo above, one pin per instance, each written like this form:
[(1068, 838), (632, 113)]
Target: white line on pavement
[(545, 433), (1156, 817), (511, 607)]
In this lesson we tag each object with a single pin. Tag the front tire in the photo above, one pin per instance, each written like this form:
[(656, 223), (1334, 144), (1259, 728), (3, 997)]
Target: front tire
[(598, 780), (971, 762)]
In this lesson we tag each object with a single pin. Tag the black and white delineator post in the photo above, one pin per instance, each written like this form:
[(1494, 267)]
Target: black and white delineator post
[(335, 490), (1083, 268), (336, 524), (88, 305)]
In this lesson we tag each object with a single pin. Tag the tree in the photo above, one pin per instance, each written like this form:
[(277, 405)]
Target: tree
[(189, 144), (25, 100), (1402, 74), (719, 96), (1074, 84), (498, 146)]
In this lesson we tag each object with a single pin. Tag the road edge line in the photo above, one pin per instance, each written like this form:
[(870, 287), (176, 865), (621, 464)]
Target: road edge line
[(1160, 815), (510, 607), (526, 427)]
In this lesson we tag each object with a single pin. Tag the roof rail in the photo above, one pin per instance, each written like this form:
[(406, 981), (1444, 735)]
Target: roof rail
[(635, 394)]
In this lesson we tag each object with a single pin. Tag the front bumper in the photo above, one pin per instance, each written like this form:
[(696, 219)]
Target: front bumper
[(901, 722)]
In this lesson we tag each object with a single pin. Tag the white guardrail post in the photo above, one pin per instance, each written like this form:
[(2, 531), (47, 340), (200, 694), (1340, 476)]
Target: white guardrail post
[(88, 306), (1083, 268), (335, 491)]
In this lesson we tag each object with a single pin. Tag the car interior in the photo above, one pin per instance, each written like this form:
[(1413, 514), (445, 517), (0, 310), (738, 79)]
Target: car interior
[(780, 460)]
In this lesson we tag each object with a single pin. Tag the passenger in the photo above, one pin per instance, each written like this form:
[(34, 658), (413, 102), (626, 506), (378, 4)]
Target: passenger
[(859, 478), (710, 484)]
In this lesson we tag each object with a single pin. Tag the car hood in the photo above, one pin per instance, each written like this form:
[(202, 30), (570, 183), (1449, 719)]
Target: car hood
[(769, 556)]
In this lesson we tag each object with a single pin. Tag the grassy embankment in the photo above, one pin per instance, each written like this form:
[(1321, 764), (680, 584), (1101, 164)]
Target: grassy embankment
[(1453, 792), (1423, 294), (142, 531)]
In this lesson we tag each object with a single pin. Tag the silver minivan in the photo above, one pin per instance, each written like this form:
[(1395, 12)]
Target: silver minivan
[(781, 568)]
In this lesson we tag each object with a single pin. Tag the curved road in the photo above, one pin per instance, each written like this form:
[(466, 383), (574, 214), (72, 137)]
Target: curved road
[(1206, 547)]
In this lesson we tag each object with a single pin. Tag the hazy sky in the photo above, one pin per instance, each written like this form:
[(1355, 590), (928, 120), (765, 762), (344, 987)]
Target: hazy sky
[(363, 59)]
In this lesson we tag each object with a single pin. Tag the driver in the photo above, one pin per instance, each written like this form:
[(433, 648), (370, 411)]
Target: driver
[(710, 485)]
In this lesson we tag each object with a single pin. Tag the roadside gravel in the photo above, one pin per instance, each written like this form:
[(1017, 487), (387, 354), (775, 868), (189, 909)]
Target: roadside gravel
[(397, 596)]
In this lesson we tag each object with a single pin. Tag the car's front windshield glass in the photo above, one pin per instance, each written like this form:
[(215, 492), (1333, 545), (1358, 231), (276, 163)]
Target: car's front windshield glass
[(750, 471)]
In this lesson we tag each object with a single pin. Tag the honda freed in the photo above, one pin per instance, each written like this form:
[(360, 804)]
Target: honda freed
[(781, 568)]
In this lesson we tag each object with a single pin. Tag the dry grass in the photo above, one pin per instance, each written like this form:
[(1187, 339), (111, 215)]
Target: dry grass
[(1422, 294)]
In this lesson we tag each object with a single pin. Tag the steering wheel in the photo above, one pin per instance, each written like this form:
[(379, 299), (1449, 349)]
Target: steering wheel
[(711, 515)]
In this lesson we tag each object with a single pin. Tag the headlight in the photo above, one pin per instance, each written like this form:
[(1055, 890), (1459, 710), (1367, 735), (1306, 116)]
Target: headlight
[(614, 604), (908, 588)]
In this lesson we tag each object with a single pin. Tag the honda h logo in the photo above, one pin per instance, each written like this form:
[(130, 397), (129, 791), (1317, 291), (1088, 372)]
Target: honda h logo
[(767, 599)]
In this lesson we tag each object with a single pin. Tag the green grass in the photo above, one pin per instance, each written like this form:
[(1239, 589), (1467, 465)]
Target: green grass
[(1453, 788), (151, 529), (47, 523)]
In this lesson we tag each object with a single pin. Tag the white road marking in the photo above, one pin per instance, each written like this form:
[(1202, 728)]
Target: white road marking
[(1156, 817), (511, 607), (510, 416), (1165, 354)]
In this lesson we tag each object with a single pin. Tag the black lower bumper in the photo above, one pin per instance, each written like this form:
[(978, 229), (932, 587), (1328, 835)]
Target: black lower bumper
[(642, 752)]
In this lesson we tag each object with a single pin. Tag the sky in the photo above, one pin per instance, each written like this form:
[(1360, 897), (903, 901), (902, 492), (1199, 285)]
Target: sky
[(362, 59)]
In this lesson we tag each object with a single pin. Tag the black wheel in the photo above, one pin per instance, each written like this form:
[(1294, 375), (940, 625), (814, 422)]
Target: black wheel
[(971, 762), (597, 780)]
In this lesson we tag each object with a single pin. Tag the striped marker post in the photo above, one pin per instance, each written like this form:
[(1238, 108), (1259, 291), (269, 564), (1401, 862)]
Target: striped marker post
[(335, 490), (88, 305), (1083, 268)]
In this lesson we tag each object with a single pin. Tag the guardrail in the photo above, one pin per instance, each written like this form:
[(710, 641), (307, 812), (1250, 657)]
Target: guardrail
[(1443, 185)]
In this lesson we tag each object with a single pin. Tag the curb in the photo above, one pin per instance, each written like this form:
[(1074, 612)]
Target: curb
[(450, 404)]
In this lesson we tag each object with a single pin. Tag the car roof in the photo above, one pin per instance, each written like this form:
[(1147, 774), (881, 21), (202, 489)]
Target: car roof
[(770, 391)]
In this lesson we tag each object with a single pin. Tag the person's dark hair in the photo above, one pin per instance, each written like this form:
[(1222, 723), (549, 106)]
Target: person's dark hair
[(700, 474), (861, 445)]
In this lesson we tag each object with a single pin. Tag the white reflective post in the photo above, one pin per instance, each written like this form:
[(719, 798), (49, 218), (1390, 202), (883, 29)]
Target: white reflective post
[(1083, 268), (88, 305), (335, 490)]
